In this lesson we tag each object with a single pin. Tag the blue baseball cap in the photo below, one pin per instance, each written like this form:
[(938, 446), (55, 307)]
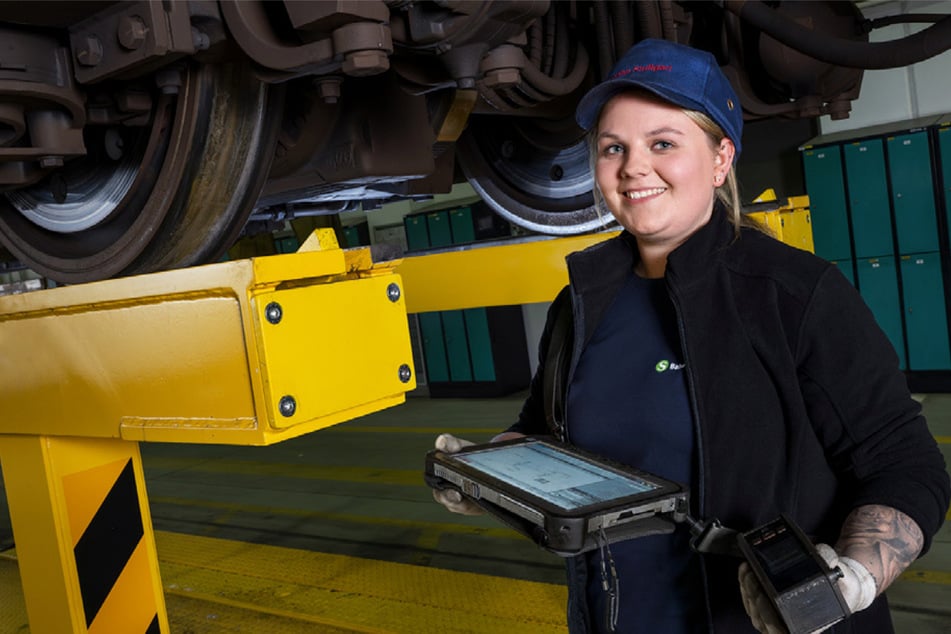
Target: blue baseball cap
[(684, 76)]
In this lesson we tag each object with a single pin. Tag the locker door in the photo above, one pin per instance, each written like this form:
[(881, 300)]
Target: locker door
[(868, 198), (925, 315), (878, 284), (846, 268), (434, 347), (944, 147), (824, 182), (480, 344), (417, 235), (460, 220), (440, 232), (909, 166), (454, 328), (457, 345)]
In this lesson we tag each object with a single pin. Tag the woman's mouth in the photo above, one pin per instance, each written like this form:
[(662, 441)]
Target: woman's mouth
[(644, 193)]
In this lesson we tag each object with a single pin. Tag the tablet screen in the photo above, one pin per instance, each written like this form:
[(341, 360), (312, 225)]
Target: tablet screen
[(566, 481)]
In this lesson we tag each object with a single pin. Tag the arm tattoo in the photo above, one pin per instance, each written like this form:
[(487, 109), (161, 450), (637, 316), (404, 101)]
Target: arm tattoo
[(882, 539)]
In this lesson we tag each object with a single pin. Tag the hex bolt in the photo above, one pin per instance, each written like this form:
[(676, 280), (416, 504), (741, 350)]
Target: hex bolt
[(287, 406), (329, 89), (405, 373), (131, 32), (169, 81), (89, 51), (393, 292), (274, 313), (363, 63)]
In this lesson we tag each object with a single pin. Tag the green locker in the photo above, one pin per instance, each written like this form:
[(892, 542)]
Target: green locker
[(909, 166), (439, 224), (430, 324), (868, 198), (352, 235), (473, 352), (457, 345), (944, 147), (826, 187), (480, 344), (417, 235), (878, 284), (460, 221), (846, 268), (440, 231), (925, 315), (434, 347), (476, 319)]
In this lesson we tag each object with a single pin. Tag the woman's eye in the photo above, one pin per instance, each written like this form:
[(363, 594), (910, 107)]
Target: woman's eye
[(663, 145), (612, 149)]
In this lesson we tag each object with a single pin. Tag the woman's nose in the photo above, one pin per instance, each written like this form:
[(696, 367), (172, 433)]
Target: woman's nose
[(635, 164)]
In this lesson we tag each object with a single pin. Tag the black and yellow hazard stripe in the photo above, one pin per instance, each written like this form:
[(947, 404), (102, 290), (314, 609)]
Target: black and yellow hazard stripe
[(110, 553)]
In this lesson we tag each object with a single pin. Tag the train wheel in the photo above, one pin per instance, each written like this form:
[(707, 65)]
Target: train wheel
[(532, 172), (172, 194)]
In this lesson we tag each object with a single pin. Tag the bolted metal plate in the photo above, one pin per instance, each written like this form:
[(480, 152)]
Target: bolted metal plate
[(337, 352)]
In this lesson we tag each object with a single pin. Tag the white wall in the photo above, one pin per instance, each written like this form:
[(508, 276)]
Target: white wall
[(899, 94)]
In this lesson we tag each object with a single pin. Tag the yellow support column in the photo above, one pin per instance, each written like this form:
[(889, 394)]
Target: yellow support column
[(83, 535)]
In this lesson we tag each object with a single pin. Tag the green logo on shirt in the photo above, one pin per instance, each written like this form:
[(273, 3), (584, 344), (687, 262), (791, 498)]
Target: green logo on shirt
[(663, 365)]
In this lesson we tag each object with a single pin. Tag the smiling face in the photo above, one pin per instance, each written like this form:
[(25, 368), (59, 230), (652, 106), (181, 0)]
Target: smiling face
[(657, 170)]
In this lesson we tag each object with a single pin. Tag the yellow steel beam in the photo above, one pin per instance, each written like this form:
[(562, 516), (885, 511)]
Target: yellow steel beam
[(513, 272), (245, 352)]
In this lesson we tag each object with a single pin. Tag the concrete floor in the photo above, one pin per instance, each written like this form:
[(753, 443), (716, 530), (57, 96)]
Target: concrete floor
[(336, 532)]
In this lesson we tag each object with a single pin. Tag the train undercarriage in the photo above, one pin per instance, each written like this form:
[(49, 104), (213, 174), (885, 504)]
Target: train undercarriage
[(139, 136)]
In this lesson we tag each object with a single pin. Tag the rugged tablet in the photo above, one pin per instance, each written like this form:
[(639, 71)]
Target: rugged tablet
[(564, 499)]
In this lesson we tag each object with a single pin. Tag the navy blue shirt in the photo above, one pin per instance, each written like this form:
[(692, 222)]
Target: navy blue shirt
[(628, 401)]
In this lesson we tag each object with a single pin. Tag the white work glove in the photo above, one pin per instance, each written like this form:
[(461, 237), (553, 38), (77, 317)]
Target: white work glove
[(450, 498), (856, 584)]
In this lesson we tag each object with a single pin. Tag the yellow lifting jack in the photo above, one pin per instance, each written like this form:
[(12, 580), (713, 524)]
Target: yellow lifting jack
[(250, 352)]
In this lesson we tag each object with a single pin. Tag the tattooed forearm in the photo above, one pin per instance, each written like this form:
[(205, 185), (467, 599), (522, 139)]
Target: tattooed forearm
[(882, 539)]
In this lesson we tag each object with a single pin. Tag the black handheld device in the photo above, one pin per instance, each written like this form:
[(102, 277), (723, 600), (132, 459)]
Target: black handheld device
[(796, 579), (564, 499)]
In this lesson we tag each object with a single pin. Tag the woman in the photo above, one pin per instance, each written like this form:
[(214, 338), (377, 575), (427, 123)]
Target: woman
[(709, 353)]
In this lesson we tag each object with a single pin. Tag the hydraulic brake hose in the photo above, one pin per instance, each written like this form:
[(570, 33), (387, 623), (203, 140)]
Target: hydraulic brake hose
[(894, 54)]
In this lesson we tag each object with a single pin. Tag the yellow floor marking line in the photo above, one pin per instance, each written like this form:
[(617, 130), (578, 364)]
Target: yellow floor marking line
[(252, 607), (939, 577), (362, 593), (943, 440)]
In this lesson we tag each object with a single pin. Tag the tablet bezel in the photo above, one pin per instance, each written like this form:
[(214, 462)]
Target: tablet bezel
[(665, 488)]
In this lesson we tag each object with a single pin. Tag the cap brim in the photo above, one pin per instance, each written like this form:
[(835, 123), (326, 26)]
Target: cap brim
[(589, 108)]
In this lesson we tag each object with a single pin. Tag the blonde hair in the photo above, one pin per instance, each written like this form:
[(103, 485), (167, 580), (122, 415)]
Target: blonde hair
[(728, 193)]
